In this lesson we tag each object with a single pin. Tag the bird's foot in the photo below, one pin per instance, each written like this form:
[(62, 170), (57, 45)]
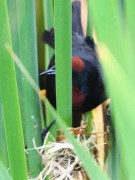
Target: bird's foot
[(77, 131)]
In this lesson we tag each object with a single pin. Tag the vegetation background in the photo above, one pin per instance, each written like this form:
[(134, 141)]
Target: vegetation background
[(21, 118)]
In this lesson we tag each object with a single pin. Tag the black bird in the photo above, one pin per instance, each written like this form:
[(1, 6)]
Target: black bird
[(88, 89)]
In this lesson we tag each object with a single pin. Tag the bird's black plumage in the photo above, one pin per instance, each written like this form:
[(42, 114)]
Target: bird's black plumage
[(88, 87)]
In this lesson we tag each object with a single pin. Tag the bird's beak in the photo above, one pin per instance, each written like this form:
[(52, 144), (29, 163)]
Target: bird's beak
[(50, 71)]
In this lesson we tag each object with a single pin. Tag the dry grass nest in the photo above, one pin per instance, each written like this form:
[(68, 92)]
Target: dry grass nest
[(59, 158)]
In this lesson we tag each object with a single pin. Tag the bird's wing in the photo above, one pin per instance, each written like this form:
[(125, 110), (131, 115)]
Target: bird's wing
[(48, 37), (90, 42)]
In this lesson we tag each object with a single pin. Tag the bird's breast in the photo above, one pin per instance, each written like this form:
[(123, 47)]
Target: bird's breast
[(77, 97)]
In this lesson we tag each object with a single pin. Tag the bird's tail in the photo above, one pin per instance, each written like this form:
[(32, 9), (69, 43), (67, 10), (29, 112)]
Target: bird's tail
[(48, 37), (76, 18)]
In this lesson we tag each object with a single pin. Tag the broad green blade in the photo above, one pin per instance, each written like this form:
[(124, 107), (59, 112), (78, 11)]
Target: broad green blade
[(114, 156), (123, 112), (10, 102), (4, 175), (117, 49), (130, 13), (107, 26), (3, 143), (31, 114), (48, 14), (13, 24), (129, 37), (63, 55), (89, 120), (40, 28), (49, 23)]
